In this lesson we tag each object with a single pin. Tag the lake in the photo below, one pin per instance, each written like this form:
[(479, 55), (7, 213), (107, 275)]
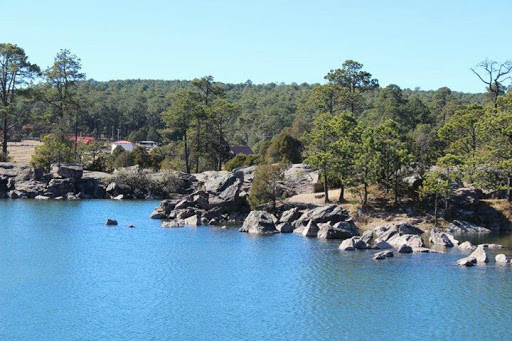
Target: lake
[(66, 276)]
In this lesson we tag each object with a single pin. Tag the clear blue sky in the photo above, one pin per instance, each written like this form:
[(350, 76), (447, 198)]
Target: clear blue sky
[(428, 44)]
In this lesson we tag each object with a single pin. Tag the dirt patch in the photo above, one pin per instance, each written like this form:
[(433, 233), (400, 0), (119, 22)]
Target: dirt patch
[(21, 152)]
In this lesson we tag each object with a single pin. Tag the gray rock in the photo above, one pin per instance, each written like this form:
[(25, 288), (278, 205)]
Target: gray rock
[(411, 240), (171, 224), (323, 214), (67, 171), (290, 216), (111, 222), (492, 246), (311, 230), (41, 197), (349, 226), (442, 238), (467, 246), (259, 222), (367, 236), (501, 258), (404, 228), (383, 255), (479, 255), (382, 245), (466, 262), (465, 227), (285, 228), (348, 244), (158, 213), (192, 221), (405, 249), (327, 231)]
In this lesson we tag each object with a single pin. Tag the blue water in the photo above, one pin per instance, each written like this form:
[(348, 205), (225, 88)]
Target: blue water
[(66, 276)]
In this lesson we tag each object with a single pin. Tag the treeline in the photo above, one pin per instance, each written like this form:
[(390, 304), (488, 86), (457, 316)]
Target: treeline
[(357, 132)]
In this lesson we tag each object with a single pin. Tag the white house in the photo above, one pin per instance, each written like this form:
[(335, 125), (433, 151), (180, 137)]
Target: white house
[(126, 145)]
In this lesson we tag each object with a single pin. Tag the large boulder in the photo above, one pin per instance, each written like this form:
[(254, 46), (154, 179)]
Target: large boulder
[(411, 240), (323, 214), (458, 226), (442, 238), (311, 230), (67, 171), (479, 255), (353, 243), (383, 255), (290, 215), (60, 187), (259, 222), (466, 197), (285, 228), (467, 246), (501, 258)]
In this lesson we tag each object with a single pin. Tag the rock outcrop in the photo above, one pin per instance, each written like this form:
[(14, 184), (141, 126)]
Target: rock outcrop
[(458, 226)]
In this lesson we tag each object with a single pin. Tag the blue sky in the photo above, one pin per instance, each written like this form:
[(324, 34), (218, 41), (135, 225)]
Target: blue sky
[(426, 44)]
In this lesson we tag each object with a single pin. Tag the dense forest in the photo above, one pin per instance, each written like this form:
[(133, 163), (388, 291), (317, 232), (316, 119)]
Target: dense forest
[(356, 131)]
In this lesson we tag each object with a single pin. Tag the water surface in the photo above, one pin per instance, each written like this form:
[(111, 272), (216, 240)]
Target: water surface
[(66, 276)]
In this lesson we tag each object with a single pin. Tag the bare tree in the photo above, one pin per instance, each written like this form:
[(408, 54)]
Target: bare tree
[(493, 74)]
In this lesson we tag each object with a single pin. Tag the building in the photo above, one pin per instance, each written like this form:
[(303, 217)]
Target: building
[(83, 139), (242, 150), (126, 145)]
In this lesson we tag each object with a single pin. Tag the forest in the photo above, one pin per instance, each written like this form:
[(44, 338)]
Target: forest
[(355, 131)]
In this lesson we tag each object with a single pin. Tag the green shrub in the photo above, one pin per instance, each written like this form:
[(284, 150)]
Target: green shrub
[(242, 160), (157, 184), (265, 186), (56, 148), (124, 160)]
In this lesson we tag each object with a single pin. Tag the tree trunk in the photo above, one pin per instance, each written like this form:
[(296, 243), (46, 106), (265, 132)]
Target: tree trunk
[(341, 198), (365, 193), (76, 137), (509, 189), (4, 133), (396, 188), (435, 210), (187, 162), (198, 131), (326, 186)]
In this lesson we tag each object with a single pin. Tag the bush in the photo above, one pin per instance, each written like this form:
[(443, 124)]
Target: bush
[(117, 151), (242, 160), (265, 186), (56, 148), (124, 160), (102, 163), (141, 157), (140, 182), (284, 148)]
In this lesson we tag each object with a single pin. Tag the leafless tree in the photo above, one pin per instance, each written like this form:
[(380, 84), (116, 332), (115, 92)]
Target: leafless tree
[(493, 74)]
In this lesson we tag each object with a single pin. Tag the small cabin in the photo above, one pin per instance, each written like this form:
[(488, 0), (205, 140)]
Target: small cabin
[(126, 145), (86, 140)]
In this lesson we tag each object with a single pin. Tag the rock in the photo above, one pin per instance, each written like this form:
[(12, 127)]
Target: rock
[(353, 243), (442, 238), (41, 197), (501, 258), (479, 255), (290, 216), (466, 197), (465, 227), (323, 214), (60, 187), (382, 255), (349, 226), (192, 221), (467, 246), (259, 222), (404, 228), (347, 245), (411, 240), (171, 224), (119, 197), (311, 230), (131, 226), (382, 245), (425, 250), (466, 262), (405, 249), (367, 236), (111, 222), (492, 246), (67, 171), (327, 231), (158, 213), (285, 228)]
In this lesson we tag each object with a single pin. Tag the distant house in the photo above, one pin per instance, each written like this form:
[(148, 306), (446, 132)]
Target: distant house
[(149, 145), (83, 139), (126, 145), (242, 150)]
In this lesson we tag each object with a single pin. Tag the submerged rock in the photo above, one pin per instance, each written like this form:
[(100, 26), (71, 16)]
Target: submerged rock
[(110, 222), (382, 255), (466, 262)]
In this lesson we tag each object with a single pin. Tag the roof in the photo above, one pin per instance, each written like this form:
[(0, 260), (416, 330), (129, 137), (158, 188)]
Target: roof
[(242, 150), (122, 142), (83, 139)]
